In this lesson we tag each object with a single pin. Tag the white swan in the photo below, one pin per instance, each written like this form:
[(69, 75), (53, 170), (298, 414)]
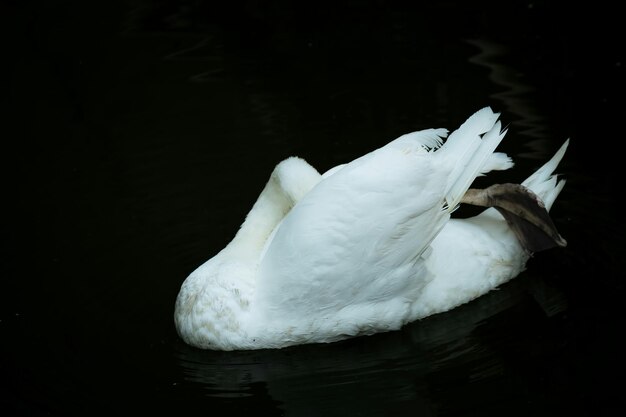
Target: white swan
[(369, 246)]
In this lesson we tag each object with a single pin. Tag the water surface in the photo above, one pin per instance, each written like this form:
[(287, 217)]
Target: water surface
[(141, 134)]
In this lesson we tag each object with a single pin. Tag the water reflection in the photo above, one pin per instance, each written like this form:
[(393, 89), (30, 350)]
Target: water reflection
[(204, 49), (419, 370), (515, 95)]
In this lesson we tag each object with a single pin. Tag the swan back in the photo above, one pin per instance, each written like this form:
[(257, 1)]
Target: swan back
[(351, 248)]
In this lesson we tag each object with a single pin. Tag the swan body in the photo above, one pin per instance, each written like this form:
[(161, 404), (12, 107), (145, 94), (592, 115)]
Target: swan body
[(366, 247)]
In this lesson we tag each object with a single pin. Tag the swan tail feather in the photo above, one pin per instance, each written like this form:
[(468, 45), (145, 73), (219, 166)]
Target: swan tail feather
[(472, 147), (543, 182)]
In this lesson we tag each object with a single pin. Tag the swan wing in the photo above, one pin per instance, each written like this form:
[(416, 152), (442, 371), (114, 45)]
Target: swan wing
[(356, 237)]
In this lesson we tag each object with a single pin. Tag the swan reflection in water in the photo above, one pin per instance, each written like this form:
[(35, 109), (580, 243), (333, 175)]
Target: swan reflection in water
[(427, 368)]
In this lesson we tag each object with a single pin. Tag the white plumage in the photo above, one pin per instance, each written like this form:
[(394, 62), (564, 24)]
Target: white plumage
[(367, 247)]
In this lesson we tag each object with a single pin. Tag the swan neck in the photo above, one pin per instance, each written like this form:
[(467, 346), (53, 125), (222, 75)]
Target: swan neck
[(266, 213)]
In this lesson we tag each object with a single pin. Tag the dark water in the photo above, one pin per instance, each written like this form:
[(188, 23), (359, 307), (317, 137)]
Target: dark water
[(139, 134)]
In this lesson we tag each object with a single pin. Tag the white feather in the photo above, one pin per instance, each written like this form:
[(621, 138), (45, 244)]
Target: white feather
[(469, 149), (543, 182)]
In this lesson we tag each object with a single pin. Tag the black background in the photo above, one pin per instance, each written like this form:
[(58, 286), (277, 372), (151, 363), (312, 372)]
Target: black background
[(137, 134)]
